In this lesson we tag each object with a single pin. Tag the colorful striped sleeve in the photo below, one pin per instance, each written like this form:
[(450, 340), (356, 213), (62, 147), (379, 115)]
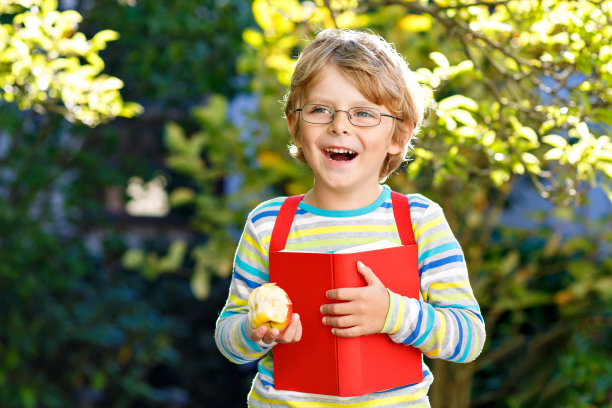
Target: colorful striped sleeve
[(447, 322), (249, 272)]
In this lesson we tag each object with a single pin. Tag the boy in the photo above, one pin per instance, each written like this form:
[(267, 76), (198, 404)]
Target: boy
[(352, 108)]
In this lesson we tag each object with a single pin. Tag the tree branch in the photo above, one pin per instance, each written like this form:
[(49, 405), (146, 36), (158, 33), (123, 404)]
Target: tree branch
[(332, 13), (476, 4)]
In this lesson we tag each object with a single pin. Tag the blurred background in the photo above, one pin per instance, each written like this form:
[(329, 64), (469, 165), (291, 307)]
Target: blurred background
[(136, 135)]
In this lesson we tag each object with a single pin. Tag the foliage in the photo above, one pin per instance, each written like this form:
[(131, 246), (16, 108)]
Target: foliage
[(520, 87), (227, 177), (56, 325), (172, 54), (77, 329), (519, 91), (46, 64), (64, 319), (546, 297)]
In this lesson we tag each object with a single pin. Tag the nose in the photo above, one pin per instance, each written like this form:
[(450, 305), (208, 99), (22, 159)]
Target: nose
[(341, 123)]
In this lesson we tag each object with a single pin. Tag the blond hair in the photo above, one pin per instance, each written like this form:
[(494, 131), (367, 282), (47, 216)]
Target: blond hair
[(375, 68)]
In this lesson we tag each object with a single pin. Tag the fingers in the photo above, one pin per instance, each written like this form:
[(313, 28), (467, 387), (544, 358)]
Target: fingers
[(352, 293), (271, 336), (341, 321), (343, 293), (263, 333), (293, 332), (354, 331), (368, 274), (338, 308), (362, 310)]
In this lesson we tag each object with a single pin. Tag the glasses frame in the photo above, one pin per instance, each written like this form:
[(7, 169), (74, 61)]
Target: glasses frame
[(350, 117)]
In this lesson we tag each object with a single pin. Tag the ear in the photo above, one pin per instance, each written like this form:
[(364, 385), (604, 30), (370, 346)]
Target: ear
[(396, 147), (289, 120), (296, 140)]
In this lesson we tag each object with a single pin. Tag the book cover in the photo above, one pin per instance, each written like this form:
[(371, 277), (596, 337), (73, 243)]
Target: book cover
[(322, 363)]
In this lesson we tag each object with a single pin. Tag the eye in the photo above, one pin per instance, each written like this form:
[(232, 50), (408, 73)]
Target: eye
[(321, 109), (364, 113)]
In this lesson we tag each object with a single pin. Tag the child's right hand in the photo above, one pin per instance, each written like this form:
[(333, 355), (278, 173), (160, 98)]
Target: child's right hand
[(291, 334)]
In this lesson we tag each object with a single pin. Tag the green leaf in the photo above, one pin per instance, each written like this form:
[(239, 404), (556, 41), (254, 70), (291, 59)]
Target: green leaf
[(252, 37), (554, 154), (466, 131), (500, 176), (583, 130), (133, 259), (458, 101), (175, 256), (131, 109), (27, 396), (174, 137), (441, 61), (529, 134), (489, 138), (518, 168), (464, 117), (529, 158), (603, 115), (416, 22), (463, 66), (606, 168), (200, 283), (555, 140), (181, 196), (214, 113), (608, 191), (101, 38), (186, 164)]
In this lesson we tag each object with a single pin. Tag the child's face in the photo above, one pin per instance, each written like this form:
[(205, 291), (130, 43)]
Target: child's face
[(357, 171)]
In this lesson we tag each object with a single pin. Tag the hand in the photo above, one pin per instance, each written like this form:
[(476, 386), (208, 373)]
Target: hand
[(364, 310), (291, 334)]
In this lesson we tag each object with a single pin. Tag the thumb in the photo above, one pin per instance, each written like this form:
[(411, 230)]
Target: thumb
[(368, 274)]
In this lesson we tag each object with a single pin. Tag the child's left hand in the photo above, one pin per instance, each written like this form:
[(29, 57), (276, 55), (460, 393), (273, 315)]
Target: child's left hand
[(364, 309)]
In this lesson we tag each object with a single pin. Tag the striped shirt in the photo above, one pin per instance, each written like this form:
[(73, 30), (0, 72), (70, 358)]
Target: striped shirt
[(444, 323)]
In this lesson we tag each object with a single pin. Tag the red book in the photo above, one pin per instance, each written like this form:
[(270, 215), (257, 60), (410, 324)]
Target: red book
[(320, 362)]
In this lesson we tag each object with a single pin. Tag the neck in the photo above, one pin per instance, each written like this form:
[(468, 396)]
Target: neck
[(338, 200)]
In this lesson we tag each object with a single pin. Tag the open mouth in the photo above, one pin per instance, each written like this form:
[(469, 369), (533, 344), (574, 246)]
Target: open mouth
[(339, 154)]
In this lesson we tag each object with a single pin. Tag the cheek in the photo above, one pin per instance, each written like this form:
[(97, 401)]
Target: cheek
[(307, 152)]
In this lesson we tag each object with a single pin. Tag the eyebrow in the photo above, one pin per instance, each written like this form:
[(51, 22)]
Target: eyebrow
[(324, 101)]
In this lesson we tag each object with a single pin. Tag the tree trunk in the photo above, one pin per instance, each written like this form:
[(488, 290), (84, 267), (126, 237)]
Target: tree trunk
[(452, 384)]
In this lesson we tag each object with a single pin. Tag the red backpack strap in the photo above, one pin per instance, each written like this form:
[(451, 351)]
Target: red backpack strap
[(284, 219), (401, 212), (283, 222)]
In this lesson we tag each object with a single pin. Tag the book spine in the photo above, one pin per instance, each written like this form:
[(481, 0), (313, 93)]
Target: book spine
[(349, 350)]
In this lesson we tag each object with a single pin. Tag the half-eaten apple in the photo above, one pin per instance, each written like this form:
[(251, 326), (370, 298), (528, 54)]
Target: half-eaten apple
[(269, 305)]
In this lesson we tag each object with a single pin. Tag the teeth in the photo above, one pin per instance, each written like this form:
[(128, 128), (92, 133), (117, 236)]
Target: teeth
[(338, 150)]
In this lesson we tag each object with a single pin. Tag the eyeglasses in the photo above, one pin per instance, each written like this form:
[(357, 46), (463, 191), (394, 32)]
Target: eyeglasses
[(358, 116)]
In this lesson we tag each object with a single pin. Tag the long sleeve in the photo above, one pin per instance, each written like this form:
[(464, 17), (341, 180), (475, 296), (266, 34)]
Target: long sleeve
[(447, 322), (250, 271)]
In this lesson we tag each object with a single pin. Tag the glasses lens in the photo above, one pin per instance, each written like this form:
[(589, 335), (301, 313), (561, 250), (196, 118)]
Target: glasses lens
[(362, 116), (359, 116), (314, 113)]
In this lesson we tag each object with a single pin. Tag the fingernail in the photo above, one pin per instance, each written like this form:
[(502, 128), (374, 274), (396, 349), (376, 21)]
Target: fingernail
[(323, 320), (359, 263)]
